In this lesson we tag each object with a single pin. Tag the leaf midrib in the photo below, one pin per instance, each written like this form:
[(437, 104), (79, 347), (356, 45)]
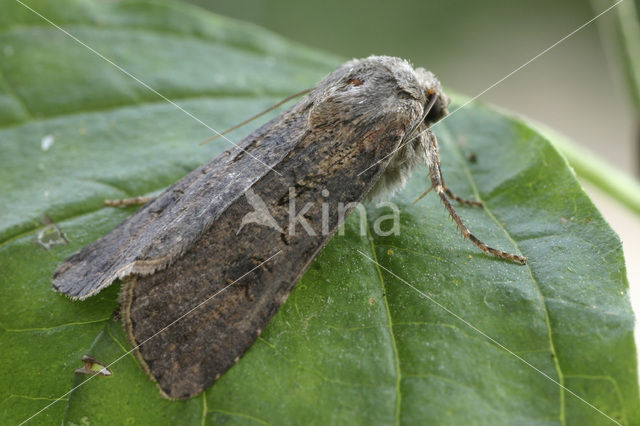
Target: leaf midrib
[(392, 336)]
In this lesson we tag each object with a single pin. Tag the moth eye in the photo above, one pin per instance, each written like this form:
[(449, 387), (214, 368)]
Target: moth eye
[(355, 82)]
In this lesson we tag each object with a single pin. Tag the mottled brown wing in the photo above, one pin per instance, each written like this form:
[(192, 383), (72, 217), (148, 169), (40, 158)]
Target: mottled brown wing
[(163, 229), (343, 137)]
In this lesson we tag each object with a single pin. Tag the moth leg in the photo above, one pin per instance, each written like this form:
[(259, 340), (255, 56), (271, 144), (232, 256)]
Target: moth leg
[(423, 194), (125, 202), (435, 174), (460, 199), (451, 195), (435, 152)]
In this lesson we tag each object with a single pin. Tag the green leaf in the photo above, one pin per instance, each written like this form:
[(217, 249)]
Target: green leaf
[(354, 343)]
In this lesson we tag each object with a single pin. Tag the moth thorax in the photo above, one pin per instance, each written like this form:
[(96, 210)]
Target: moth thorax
[(400, 167)]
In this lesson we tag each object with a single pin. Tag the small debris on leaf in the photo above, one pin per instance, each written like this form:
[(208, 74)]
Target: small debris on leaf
[(47, 142), (93, 367)]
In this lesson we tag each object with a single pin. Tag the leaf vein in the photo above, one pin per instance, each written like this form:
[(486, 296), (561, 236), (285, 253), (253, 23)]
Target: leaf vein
[(390, 324)]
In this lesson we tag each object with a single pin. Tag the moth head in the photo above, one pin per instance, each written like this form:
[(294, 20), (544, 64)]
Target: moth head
[(432, 87)]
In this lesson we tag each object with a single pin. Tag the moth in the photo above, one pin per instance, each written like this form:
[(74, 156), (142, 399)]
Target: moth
[(194, 243)]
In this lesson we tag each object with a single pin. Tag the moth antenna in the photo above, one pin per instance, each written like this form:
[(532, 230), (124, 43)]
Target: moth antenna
[(125, 202), (271, 108)]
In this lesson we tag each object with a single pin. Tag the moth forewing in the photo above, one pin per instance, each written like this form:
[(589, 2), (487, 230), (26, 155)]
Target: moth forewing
[(201, 283)]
